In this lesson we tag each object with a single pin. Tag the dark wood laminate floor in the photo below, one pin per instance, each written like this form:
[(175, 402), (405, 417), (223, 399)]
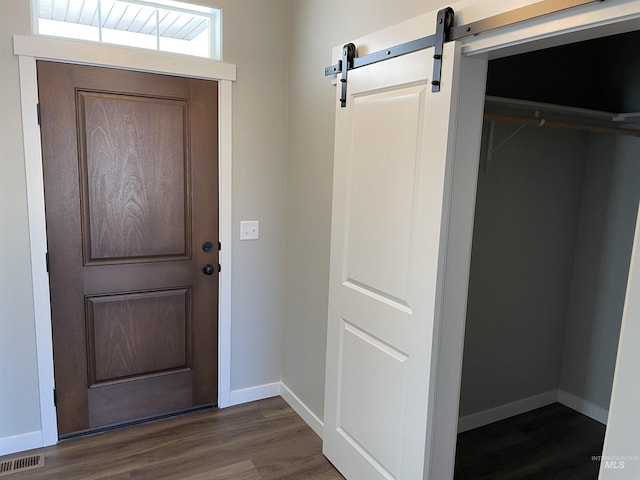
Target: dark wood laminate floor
[(550, 443), (263, 440)]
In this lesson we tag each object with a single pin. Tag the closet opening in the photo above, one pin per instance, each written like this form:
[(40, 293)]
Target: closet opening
[(556, 208)]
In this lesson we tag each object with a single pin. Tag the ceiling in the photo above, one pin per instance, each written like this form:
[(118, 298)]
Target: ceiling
[(126, 16)]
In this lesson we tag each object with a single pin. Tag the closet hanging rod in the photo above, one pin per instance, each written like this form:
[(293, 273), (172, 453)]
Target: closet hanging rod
[(542, 122), (515, 106)]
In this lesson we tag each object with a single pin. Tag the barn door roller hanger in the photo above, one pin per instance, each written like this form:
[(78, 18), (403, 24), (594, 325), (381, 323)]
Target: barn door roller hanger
[(445, 32)]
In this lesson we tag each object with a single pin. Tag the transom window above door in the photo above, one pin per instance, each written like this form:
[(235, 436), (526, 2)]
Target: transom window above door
[(163, 25)]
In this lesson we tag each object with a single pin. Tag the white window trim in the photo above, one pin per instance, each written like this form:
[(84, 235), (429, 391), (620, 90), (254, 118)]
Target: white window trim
[(213, 13), (30, 49)]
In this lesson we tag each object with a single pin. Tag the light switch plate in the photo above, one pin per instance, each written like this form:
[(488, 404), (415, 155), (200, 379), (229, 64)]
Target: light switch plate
[(250, 230)]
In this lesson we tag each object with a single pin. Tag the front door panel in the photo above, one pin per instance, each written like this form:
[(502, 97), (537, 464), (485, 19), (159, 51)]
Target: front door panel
[(130, 167)]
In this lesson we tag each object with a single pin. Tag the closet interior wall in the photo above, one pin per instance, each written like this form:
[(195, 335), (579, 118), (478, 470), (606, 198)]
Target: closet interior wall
[(611, 191), (553, 233)]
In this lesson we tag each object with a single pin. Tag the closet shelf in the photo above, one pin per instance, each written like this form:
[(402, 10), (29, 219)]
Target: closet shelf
[(524, 112)]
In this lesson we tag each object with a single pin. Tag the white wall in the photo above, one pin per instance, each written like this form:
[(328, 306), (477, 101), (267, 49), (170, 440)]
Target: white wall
[(316, 27), (256, 38), (19, 404), (283, 157), (601, 266), (527, 207)]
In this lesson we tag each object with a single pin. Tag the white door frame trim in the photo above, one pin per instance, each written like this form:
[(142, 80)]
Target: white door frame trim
[(572, 25), (30, 49)]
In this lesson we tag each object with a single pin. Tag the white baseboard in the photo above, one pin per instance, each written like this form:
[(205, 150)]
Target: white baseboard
[(275, 389), (584, 407), (501, 412), (251, 394), (507, 410), (20, 443), (301, 409)]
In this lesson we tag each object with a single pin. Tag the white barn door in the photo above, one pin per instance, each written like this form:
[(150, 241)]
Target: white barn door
[(393, 176)]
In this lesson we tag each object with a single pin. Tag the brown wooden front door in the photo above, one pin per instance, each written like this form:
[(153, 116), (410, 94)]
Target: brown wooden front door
[(131, 192)]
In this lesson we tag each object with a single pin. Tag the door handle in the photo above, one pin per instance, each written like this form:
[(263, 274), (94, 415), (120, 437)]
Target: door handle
[(208, 269)]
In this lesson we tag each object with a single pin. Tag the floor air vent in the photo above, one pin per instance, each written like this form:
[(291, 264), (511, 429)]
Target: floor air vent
[(21, 464)]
